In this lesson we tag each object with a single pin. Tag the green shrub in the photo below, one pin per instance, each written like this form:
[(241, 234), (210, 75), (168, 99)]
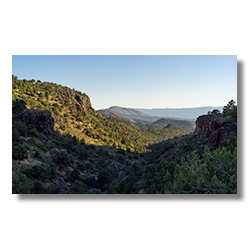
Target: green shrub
[(104, 177), (15, 135), (19, 152), (38, 187), (42, 146), (37, 155), (90, 165), (79, 126), (77, 187), (218, 173), (128, 185), (68, 175), (61, 158), (37, 172), (90, 182), (83, 153), (18, 106), (63, 126), (51, 172), (81, 166), (21, 127), (33, 132), (20, 183)]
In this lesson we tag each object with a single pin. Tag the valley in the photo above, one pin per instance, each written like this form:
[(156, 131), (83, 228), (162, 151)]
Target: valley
[(61, 145)]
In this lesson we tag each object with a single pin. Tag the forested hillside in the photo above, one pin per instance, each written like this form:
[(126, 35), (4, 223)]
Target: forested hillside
[(60, 144)]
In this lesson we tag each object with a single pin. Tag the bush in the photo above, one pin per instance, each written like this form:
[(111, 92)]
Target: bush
[(42, 146), (33, 132), (77, 187), (38, 187), (128, 185), (218, 174), (90, 165), (19, 152), (38, 172), (81, 166), (61, 158), (20, 183), (79, 126), (51, 172), (63, 126), (15, 136), (104, 177), (90, 182), (37, 155), (21, 127), (83, 153), (18, 106)]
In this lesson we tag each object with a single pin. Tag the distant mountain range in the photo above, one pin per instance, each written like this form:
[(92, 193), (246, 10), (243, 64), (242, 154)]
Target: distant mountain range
[(149, 122), (181, 113), (130, 114)]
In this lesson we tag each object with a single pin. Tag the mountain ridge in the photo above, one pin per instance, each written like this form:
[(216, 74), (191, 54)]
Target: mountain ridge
[(140, 117), (181, 113)]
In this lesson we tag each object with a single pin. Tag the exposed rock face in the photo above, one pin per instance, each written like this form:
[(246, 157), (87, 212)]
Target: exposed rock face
[(84, 104), (219, 134), (41, 120), (202, 124)]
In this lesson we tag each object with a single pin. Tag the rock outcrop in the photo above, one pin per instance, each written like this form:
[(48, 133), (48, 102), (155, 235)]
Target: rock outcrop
[(219, 133), (83, 104), (202, 124), (41, 120)]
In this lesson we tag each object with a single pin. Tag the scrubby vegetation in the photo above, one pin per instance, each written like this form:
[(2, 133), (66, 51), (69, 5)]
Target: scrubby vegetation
[(91, 153)]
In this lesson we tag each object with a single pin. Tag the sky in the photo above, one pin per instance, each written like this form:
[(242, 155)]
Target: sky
[(142, 81)]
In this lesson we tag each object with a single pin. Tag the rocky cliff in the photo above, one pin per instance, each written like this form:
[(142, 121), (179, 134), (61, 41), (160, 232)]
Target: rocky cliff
[(41, 120), (83, 104), (219, 133)]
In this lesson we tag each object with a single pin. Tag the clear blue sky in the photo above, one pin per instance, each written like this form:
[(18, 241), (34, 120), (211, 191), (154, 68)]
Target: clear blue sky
[(138, 81)]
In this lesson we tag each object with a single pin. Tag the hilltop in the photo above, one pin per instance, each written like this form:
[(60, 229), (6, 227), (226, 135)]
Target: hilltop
[(131, 114), (183, 124)]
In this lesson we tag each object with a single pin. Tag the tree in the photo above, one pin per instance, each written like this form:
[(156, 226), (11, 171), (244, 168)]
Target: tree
[(104, 177), (38, 187), (19, 152), (47, 94), (129, 185), (21, 127), (77, 187), (217, 173), (215, 113), (230, 106), (20, 183), (18, 106)]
